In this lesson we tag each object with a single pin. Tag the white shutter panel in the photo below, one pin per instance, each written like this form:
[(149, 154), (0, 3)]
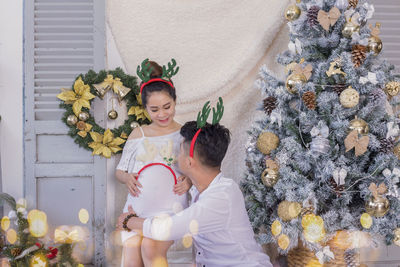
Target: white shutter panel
[(62, 39), (387, 12)]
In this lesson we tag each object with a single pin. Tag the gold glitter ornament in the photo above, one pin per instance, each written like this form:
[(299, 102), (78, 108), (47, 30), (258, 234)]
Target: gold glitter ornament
[(366, 220), (266, 142), (276, 228), (349, 98), (288, 210)]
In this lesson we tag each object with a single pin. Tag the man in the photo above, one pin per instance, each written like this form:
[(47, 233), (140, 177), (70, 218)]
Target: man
[(217, 219)]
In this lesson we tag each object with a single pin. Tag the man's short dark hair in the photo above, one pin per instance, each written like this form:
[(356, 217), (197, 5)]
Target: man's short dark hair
[(211, 144)]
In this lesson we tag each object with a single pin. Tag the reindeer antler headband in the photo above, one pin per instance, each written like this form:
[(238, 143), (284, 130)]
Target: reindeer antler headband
[(145, 72), (202, 117)]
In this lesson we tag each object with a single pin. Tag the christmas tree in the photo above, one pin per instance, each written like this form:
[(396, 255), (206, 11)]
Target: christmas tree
[(323, 163)]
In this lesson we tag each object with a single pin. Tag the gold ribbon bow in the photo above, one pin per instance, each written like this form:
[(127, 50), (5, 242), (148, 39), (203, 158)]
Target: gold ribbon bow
[(139, 111), (376, 191), (79, 97), (105, 144), (114, 84), (375, 31), (306, 71), (360, 144), (64, 237), (327, 19)]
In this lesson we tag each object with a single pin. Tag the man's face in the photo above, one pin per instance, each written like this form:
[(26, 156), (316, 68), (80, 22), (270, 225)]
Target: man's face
[(183, 159)]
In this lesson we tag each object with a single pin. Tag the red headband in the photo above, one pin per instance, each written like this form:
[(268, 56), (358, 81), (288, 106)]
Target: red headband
[(156, 163), (155, 80), (193, 142)]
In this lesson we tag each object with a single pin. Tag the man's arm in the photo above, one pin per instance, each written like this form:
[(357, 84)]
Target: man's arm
[(207, 215)]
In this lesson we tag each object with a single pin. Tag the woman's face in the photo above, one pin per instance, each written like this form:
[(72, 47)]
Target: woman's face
[(161, 108)]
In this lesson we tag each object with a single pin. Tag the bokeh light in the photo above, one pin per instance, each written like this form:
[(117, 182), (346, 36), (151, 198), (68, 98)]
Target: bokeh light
[(161, 227), (160, 262), (83, 216), (37, 223), (5, 223), (187, 240), (194, 227), (11, 236), (39, 260)]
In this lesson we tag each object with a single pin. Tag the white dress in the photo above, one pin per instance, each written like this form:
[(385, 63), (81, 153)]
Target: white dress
[(155, 149)]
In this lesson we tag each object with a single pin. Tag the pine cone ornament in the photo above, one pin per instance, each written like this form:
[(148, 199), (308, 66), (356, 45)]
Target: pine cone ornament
[(353, 3), (377, 96), (351, 259), (309, 100), (359, 53), (269, 104), (338, 188), (16, 251), (339, 88), (312, 15), (387, 145)]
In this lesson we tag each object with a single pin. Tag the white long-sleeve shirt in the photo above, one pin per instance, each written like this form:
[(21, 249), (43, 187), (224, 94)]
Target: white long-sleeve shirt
[(219, 225)]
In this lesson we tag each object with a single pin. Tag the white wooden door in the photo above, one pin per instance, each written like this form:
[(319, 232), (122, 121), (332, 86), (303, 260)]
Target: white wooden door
[(62, 38)]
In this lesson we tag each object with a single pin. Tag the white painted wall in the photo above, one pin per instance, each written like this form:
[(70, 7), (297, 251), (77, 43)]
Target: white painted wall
[(11, 97)]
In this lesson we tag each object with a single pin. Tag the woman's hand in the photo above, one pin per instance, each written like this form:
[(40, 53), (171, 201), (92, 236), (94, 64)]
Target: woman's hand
[(132, 183), (182, 186), (122, 217)]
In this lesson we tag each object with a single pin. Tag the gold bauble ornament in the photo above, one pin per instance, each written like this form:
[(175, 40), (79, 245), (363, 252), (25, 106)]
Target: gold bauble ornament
[(292, 12), (276, 228), (113, 114), (392, 88), (375, 44), (134, 125), (83, 116), (266, 142), (349, 28), (396, 239), (293, 80), (288, 210), (270, 177), (359, 125), (366, 220), (72, 120), (349, 98), (283, 241), (377, 206), (396, 151)]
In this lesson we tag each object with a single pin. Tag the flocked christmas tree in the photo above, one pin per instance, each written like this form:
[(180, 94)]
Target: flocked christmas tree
[(323, 164)]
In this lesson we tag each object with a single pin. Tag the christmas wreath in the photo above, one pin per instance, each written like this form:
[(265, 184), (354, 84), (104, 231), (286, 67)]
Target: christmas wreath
[(82, 125)]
